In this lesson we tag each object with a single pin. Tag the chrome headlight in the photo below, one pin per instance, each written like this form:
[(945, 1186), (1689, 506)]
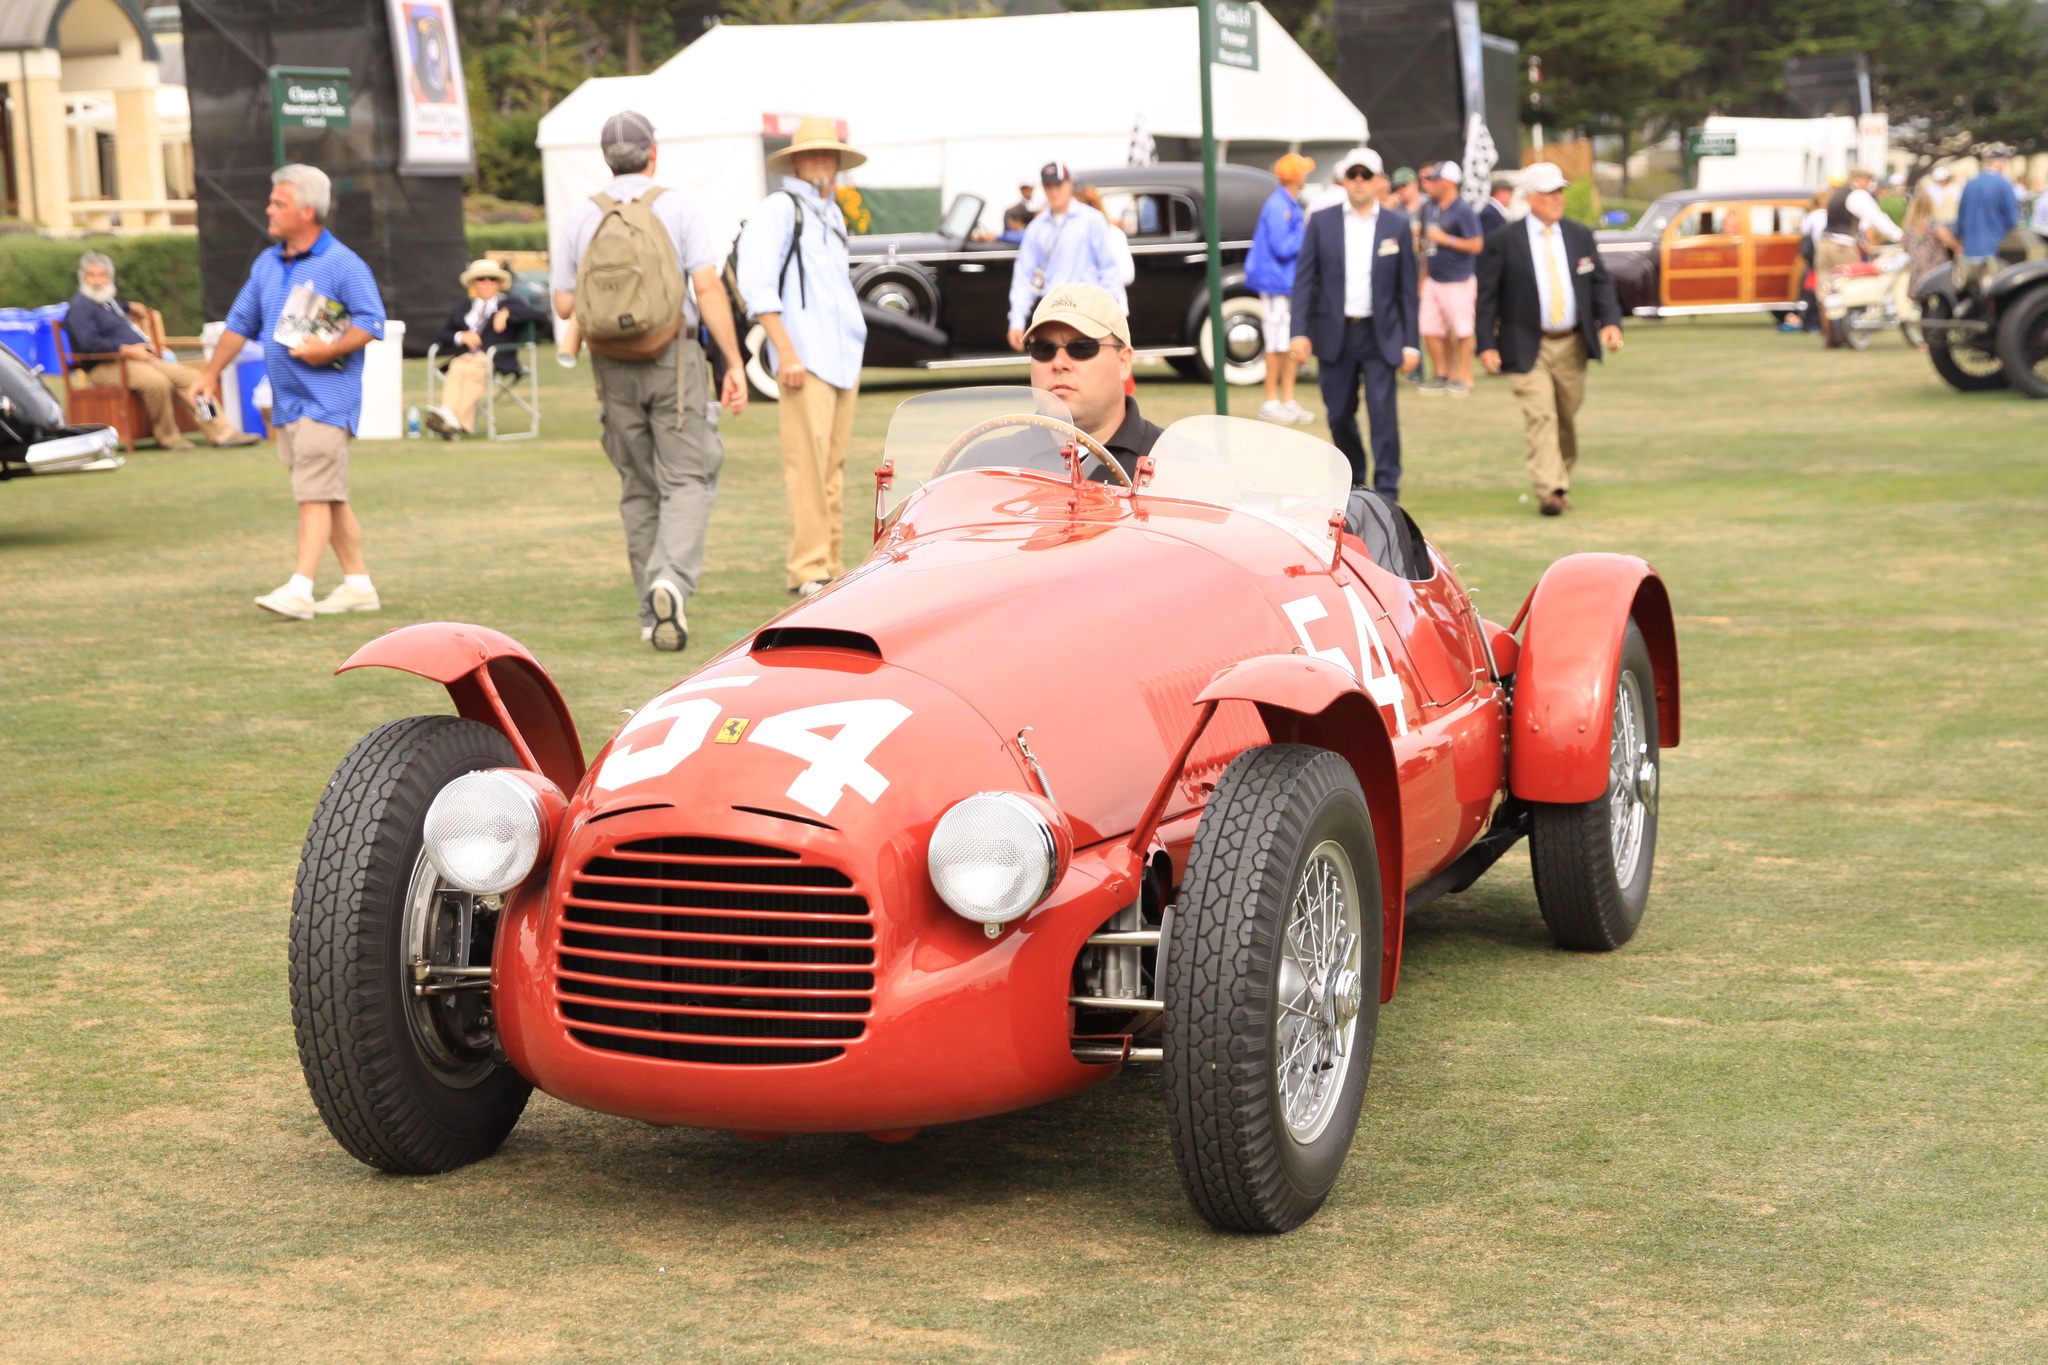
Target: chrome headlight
[(485, 830), (995, 855)]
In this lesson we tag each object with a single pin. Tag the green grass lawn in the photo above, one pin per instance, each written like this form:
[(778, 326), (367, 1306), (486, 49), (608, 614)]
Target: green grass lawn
[(1801, 1117)]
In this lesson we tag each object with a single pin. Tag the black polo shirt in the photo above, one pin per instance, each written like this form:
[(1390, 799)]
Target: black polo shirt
[(1133, 438)]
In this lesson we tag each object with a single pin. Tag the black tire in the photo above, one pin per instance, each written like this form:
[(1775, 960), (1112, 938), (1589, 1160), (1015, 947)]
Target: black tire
[(1275, 814), (1972, 368), (1188, 367), (1591, 897), (384, 1094), (2023, 342)]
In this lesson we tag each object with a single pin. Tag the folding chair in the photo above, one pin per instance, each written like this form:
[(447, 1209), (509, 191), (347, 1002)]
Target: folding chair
[(521, 387)]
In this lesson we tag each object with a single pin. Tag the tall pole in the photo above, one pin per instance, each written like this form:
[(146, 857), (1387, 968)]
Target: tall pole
[(1211, 210)]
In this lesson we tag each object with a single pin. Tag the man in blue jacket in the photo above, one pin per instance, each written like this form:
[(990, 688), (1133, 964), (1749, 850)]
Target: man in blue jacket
[(1355, 306), (1269, 269), (1986, 212)]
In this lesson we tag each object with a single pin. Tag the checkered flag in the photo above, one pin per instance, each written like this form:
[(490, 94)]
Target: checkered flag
[(1481, 156)]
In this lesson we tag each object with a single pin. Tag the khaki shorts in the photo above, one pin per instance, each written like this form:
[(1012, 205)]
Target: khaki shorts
[(317, 456)]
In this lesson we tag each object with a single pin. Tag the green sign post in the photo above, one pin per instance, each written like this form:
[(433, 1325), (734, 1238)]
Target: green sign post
[(1230, 36), (306, 97)]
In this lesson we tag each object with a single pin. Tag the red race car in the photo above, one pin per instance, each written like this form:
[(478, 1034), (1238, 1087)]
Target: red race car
[(1076, 770)]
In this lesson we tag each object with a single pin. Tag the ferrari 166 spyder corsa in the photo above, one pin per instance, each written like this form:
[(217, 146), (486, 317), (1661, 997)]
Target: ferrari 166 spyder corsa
[(1080, 768)]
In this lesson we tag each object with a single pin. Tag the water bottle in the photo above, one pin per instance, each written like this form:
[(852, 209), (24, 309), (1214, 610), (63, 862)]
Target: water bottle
[(412, 422)]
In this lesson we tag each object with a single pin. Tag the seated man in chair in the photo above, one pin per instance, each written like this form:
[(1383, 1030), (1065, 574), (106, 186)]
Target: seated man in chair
[(489, 317), (100, 324)]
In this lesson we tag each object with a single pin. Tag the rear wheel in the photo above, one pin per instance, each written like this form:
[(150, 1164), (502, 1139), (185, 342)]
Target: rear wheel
[(1272, 989), (1244, 342), (396, 1042), (1592, 860), (1967, 359), (2023, 342)]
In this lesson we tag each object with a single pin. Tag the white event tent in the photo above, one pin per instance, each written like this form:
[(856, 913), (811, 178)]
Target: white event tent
[(956, 106)]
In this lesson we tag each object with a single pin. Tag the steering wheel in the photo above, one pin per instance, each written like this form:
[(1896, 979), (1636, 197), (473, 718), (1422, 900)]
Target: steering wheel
[(1032, 419)]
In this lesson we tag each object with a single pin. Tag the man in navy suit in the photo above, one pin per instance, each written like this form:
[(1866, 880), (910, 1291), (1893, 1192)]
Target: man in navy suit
[(1355, 304)]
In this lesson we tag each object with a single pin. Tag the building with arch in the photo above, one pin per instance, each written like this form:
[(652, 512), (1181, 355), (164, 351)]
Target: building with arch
[(95, 131)]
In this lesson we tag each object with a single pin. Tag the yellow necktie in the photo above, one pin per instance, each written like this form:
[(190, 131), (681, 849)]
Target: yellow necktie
[(1556, 280)]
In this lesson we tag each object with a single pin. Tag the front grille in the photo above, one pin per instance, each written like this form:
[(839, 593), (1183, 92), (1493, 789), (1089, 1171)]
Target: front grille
[(714, 951)]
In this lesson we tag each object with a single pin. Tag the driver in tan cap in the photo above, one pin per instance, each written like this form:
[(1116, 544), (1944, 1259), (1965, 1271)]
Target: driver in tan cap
[(1079, 342)]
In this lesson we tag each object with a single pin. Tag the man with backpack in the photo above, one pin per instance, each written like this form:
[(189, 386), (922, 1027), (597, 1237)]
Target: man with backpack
[(793, 277), (627, 257)]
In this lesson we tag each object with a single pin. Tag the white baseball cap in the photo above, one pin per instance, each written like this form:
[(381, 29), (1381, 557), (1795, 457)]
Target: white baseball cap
[(1940, 173), (1360, 156), (1450, 171), (1544, 177)]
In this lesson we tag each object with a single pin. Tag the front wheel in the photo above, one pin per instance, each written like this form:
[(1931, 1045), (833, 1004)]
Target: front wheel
[(2023, 342), (1855, 329), (392, 1019), (1968, 359), (1592, 860), (1272, 989)]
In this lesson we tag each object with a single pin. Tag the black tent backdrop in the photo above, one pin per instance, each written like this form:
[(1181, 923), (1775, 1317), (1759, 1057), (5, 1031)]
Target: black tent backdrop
[(407, 227)]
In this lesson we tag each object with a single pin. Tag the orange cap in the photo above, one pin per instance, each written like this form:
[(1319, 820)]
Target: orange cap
[(1294, 166)]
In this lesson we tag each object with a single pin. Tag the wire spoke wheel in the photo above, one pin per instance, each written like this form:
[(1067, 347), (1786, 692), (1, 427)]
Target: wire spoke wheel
[(1629, 791), (1318, 992)]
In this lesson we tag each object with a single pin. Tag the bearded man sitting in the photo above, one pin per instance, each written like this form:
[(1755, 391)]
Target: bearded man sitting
[(98, 323)]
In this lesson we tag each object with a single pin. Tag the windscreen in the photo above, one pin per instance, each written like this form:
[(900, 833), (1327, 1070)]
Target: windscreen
[(928, 427), (1286, 477)]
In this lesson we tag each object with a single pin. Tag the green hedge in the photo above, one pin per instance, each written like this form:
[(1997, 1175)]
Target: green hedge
[(488, 237), (161, 271)]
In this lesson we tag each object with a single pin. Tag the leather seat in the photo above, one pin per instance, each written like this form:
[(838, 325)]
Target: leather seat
[(1386, 531)]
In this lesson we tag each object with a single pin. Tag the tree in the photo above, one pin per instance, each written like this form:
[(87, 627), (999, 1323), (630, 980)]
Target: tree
[(799, 11), (1606, 63)]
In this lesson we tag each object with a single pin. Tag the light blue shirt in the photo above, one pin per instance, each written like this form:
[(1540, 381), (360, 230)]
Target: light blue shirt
[(819, 308), (297, 390), (1071, 249)]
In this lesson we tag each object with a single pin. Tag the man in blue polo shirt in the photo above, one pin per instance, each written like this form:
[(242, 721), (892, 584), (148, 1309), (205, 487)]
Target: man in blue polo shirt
[(316, 387)]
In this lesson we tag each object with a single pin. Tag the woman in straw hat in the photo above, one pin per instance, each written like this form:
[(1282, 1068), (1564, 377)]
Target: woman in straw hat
[(488, 317), (793, 278)]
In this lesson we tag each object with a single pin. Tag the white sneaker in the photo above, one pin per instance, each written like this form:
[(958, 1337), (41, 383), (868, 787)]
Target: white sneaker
[(1299, 414), (646, 635), (671, 629), (442, 423), (285, 602), (345, 598), (1273, 411)]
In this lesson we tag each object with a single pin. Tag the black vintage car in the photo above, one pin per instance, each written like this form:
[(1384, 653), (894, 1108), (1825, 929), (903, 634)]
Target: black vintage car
[(940, 300), (1992, 336), (33, 436)]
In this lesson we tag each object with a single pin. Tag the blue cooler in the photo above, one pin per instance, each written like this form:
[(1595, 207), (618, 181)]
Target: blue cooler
[(18, 334), (46, 339), (250, 372)]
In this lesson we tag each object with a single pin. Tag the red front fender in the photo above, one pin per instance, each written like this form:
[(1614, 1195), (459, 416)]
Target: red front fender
[(494, 681), (1564, 679), (1306, 700)]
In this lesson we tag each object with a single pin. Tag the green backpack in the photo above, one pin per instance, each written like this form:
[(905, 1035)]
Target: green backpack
[(629, 289)]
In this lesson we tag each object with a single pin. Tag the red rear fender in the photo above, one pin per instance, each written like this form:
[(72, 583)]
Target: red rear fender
[(1307, 700), (1564, 679), (493, 680)]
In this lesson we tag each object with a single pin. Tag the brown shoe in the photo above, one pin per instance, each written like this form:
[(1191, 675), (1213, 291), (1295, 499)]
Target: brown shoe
[(1551, 504), (240, 438), (177, 445)]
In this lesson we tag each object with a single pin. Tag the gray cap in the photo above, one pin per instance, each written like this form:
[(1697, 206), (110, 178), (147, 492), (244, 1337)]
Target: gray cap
[(627, 129)]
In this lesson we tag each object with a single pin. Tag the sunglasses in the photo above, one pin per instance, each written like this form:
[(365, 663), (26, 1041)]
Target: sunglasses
[(1080, 348), (1358, 173)]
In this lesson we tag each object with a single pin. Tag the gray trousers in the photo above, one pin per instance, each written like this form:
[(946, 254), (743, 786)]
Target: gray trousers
[(668, 456)]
